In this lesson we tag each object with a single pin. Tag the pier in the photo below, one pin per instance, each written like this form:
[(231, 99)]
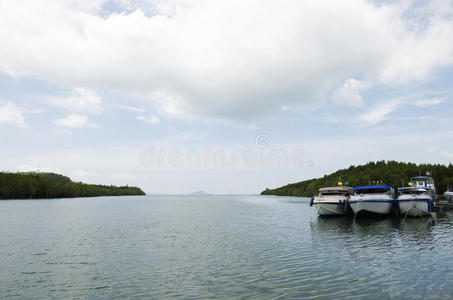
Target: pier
[(443, 205)]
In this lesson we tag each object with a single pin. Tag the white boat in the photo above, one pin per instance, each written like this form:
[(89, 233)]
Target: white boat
[(372, 199), (333, 201), (417, 200), (449, 194)]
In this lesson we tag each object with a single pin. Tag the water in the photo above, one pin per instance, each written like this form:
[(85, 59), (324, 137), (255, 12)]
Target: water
[(254, 247)]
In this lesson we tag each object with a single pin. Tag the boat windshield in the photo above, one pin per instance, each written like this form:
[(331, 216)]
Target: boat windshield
[(373, 191), (413, 192), (333, 193), (422, 181)]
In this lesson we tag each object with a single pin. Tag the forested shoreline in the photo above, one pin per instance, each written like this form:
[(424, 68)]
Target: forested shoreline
[(394, 173), (34, 185)]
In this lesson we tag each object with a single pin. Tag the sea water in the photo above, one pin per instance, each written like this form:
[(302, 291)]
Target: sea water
[(231, 247)]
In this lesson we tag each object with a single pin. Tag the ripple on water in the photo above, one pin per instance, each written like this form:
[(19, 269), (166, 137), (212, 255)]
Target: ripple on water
[(206, 247)]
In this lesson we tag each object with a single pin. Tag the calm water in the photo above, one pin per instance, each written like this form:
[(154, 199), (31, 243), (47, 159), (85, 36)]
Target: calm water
[(252, 247)]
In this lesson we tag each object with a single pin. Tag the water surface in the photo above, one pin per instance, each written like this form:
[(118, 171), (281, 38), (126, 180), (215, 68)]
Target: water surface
[(232, 247)]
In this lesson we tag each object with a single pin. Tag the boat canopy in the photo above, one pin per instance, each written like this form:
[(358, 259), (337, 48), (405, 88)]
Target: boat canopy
[(370, 187), (336, 188), (414, 190), (422, 178)]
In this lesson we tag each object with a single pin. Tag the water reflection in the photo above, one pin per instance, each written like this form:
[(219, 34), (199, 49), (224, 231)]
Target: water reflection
[(375, 226), (391, 253), (332, 223)]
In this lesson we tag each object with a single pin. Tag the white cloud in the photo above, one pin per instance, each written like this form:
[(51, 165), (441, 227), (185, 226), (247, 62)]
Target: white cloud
[(150, 119), (124, 176), (74, 121), (190, 60), (362, 147), (132, 108), (348, 94), (10, 113), (429, 102), (379, 113), (447, 154), (83, 175), (34, 111), (432, 149), (37, 166), (81, 100), (91, 6)]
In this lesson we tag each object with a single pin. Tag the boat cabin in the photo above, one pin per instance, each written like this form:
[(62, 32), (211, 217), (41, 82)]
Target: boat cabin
[(423, 181)]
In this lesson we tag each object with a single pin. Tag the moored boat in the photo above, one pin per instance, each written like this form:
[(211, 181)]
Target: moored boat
[(372, 199), (333, 201), (449, 194), (417, 200)]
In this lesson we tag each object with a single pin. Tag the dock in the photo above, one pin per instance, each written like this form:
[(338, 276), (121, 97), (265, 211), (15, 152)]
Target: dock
[(444, 205)]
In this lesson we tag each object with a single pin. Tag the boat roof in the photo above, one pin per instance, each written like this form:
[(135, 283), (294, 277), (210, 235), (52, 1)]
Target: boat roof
[(336, 188), (368, 187), (422, 177)]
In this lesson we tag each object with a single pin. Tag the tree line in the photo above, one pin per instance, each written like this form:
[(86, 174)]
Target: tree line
[(32, 185), (394, 173)]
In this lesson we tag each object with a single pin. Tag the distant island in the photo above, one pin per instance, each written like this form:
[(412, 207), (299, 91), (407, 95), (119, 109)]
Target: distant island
[(393, 173), (37, 185), (200, 193)]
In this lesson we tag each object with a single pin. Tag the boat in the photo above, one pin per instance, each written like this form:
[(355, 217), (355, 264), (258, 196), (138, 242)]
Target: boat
[(372, 200), (449, 194), (332, 201), (417, 199)]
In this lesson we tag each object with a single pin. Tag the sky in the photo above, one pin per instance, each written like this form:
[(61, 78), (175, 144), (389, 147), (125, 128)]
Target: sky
[(222, 96)]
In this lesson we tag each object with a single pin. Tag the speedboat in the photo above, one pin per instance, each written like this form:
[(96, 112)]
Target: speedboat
[(372, 199), (449, 194), (333, 201), (417, 200)]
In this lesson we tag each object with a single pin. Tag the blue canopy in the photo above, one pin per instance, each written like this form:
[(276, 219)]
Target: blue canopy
[(368, 187)]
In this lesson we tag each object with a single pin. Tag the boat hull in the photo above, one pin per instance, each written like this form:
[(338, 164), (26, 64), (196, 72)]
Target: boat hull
[(371, 206), (332, 205), (449, 196), (331, 209), (414, 207)]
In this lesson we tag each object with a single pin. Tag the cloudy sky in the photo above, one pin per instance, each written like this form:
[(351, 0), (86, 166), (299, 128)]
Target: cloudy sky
[(223, 96)]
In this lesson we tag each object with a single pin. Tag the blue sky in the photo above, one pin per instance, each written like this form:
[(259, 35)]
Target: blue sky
[(222, 96)]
